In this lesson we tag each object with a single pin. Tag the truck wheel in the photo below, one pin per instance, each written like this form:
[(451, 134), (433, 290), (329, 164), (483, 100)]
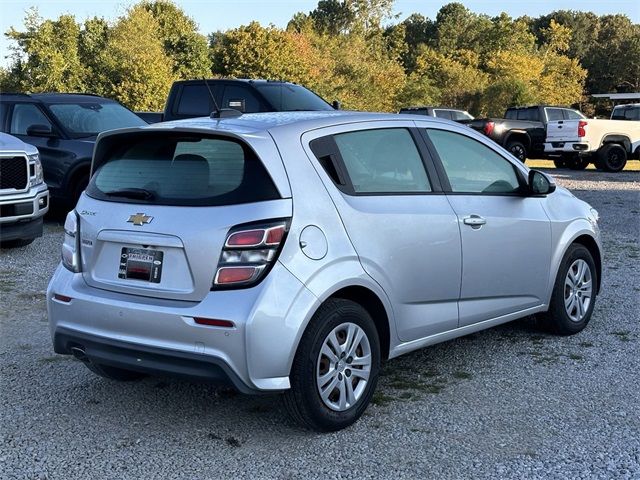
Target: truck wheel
[(578, 163), (612, 157), (335, 370), (518, 150), (560, 163)]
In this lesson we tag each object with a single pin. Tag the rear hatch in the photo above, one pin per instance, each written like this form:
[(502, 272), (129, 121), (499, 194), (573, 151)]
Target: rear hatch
[(562, 131), (160, 207)]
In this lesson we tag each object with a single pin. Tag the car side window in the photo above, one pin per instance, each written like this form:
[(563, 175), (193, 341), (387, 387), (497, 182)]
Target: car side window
[(383, 161), (240, 98), (195, 100), (554, 114), (26, 115), (472, 167), (446, 114), (572, 115)]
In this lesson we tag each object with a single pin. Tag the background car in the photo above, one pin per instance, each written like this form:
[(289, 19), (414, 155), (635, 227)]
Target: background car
[(63, 126), (441, 112), (193, 98), (24, 198)]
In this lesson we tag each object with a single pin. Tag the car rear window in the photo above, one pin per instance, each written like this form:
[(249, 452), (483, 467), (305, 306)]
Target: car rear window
[(174, 169)]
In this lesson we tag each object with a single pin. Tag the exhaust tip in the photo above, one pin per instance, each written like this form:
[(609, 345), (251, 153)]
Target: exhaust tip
[(79, 353)]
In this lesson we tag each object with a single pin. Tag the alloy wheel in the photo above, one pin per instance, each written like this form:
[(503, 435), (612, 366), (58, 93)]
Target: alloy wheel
[(343, 366), (578, 288)]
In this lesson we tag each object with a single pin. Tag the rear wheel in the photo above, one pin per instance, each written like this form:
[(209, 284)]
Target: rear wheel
[(113, 373), (560, 163), (517, 149), (612, 157), (335, 370), (578, 163), (574, 293)]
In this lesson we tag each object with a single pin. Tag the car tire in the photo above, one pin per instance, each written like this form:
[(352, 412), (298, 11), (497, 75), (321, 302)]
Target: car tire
[(560, 163), (612, 157), (320, 397), (16, 243), (574, 293), (578, 163), (79, 187), (517, 149), (113, 373)]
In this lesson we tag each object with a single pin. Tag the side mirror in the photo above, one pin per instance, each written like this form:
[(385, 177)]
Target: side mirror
[(540, 183), (39, 130), (336, 104)]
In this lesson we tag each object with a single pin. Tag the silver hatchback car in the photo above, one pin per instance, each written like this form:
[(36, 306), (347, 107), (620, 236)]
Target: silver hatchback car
[(295, 252)]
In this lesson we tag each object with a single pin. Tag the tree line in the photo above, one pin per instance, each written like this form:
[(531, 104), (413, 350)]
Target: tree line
[(355, 51)]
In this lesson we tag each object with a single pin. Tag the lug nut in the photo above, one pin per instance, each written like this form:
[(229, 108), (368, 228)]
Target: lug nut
[(350, 359), (347, 373)]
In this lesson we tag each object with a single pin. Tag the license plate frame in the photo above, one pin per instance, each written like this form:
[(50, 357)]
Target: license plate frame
[(142, 264)]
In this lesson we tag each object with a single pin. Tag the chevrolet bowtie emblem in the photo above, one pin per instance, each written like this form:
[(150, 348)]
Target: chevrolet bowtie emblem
[(140, 219)]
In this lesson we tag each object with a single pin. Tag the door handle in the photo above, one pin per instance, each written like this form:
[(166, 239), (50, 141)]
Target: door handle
[(475, 221)]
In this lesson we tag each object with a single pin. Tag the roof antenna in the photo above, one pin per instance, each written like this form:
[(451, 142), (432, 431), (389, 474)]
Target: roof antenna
[(220, 112)]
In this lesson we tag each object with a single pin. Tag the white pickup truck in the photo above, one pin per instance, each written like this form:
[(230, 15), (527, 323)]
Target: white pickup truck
[(24, 197), (606, 143)]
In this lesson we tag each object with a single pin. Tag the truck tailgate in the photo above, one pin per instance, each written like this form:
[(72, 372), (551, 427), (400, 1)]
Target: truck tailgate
[(562, 131)]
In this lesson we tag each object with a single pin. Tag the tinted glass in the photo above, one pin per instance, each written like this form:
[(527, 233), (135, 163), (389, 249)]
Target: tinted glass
[(573, 115), (528, 114), (24, 116), (285, 97), (554, 114), (87, 119), (458, 115), (195, 101), (383, 161), (632, 113), (443, 114), (236, 95), (471, 166), (414, 111), (178, 170)]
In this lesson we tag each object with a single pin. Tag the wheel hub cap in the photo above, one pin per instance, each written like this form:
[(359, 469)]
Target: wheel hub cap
[(343, 366), (578, 288)]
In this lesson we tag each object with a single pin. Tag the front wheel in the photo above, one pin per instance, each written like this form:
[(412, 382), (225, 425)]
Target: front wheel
[(518, 150), (574, 293), (335, 370)]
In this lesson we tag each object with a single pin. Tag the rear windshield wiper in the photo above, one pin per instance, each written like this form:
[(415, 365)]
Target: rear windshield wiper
[(137, 193)]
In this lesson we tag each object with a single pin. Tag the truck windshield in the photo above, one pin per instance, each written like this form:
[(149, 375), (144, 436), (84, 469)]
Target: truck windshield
[(285, 97), (89, 119)]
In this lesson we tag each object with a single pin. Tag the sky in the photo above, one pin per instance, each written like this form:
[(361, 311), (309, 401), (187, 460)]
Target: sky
[(213, 15)]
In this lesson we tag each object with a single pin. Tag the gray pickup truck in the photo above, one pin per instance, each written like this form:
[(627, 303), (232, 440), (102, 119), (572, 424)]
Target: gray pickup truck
[(24, 197)]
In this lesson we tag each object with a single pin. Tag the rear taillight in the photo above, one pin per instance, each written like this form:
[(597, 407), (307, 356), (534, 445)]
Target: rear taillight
[(488, 128), (71, 243), (248, 254), (581, 131)]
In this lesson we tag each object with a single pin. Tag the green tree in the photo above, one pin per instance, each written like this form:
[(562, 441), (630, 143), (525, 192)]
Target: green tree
[(180, 39), (138, 71), (91, 43), (45, 57)]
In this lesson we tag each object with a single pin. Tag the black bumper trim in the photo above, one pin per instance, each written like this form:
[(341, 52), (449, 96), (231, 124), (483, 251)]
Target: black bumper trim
[(21, 230), (152, 360)]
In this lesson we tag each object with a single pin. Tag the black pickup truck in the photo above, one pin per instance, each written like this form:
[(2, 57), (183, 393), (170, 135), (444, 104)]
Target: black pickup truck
[(523, 130), (191, 98)]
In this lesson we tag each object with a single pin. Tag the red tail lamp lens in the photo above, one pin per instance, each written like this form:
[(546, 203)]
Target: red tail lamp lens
[(248, 238), (581, 130), (275, 235), (234, 274), (488, 128), (62, 298), (213, 322)]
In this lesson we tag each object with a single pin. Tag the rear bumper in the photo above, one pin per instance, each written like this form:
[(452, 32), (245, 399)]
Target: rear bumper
[(147, 359), (567, 147), (161, 336), (21, 214)]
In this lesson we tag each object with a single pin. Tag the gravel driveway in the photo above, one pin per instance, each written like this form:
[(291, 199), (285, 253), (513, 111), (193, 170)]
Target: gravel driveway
[(510, 402)]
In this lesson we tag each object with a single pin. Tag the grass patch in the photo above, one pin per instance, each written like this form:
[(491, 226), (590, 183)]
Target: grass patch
[(586, 344), (406, 395), (462, 375), (381, 399), (575, 356), (623, 335), (631, 166)]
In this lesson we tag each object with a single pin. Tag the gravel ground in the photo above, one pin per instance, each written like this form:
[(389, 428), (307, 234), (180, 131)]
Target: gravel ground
[(509, 402)]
